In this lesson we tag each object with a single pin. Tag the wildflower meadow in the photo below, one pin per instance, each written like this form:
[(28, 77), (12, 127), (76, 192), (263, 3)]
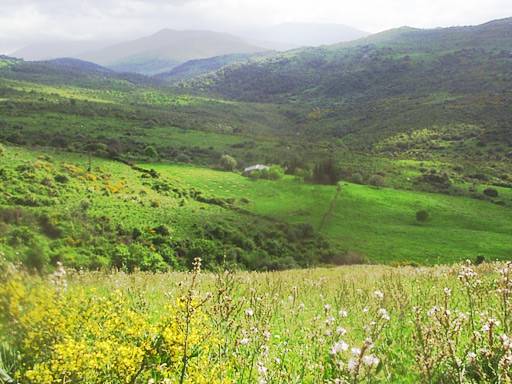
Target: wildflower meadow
[(357, 324)]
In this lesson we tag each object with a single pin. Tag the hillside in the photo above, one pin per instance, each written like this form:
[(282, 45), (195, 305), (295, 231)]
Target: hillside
[(166, 49), (397, 62), (68, 71), (200, 67), (370, 91)]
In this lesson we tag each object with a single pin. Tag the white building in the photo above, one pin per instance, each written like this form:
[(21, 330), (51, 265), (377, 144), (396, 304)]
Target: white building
[(257, 167)]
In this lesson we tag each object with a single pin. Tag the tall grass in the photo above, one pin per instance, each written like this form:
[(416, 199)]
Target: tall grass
[(345, 325)]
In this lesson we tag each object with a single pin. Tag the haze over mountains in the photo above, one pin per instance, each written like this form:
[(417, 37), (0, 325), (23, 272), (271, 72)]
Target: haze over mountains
[(295, 35), (166, 49)]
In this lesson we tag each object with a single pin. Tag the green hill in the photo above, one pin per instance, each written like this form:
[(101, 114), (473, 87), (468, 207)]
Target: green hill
[(372, 90)]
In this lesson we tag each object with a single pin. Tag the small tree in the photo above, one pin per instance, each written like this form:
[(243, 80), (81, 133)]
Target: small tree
[(377, 181), (151, 152), (422, 216), (228, 163)]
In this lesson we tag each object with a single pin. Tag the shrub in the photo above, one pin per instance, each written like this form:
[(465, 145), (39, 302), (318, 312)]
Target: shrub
[(326, 172), (162, 230), (422, 216), (479, 260), (491, 192), (63, 179), (151, 152), (183, 158), (275, 172), (377, 181), (228, 163), (357, 178), (36, 258), (2, 150)]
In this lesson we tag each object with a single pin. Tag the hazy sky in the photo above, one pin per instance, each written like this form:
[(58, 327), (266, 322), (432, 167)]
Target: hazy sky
[(25, 21)]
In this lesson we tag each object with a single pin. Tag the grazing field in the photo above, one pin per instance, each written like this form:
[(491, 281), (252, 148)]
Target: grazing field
[(358, 324), (378, 223)]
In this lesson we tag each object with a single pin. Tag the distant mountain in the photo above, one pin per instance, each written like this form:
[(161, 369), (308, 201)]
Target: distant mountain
[(168, 48), (295, 35), (200, 67), (56, 49), (403, 60), (67, 71)]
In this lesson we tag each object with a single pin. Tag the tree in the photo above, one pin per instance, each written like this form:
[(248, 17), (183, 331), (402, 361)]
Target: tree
[(326, 172), (151, 152), (228, 163)]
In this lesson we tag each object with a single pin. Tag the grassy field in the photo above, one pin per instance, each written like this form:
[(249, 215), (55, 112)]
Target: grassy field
[(379, 223), (358, 324), (99, 218)]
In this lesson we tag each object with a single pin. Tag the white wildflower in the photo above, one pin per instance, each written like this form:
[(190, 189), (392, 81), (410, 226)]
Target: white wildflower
[(371, 360), (352, 365), (356, 351), (383, 313), (343, 313), (339, 347)]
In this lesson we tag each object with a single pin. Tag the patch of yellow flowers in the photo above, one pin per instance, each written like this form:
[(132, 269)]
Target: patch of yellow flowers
[(80, 335)]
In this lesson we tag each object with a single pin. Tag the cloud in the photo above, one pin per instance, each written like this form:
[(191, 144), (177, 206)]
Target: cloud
[(25, 21)]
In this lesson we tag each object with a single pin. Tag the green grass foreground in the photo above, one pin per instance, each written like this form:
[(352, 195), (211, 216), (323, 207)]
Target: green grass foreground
[(357, 324)]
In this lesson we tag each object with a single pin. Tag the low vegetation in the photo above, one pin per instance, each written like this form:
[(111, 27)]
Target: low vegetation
[(343, 325)]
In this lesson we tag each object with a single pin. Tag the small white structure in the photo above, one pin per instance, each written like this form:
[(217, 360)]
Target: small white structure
[(257, 167)]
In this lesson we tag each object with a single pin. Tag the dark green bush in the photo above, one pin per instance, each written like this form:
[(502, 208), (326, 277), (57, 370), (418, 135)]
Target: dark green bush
[(36, 257), (357, 178), (377, 181), (63, 179), (491, 192), (422, 216), (479, 260), (151, 152)]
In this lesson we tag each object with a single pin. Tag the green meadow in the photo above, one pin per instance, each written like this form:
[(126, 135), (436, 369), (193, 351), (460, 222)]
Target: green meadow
[(378, 223)]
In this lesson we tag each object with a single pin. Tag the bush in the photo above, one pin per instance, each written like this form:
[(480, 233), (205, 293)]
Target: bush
[(63, 179), (377, 181), (357, 178), (151, 152), (422, 216), (491, 192), (479, 260), (183, 158), (275, 172), (326, 172), (228, 163), (36, 258), (162, 230)]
